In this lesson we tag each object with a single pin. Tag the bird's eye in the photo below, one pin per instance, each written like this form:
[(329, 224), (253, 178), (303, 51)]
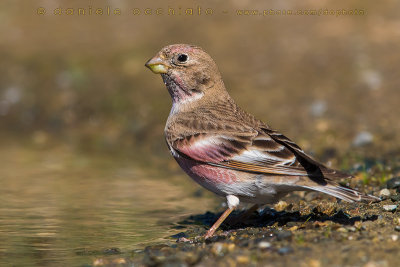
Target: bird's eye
[(182, 58)]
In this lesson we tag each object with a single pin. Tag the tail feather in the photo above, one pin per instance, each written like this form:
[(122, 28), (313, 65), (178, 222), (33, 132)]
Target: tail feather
[(335, 174), (344, 193)]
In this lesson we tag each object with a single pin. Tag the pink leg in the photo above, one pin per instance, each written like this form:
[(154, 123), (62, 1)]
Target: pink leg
[(215, 226)]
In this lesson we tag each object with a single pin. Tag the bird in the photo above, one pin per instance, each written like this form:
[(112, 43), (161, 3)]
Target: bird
[(226, 149)]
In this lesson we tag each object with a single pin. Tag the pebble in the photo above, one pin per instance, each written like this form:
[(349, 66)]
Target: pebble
[(397, 228), (395, 237), (363, 138), (217, 249), (389, 207), (318, 108), (351, 229), (393, 183), (231, 247), (284, 235), (395, 198), (384, 193), (183, 240), (192, 258), (220, 249), (179, 235), (285, 250), (264, 245), (372, 78), (328, 208), (358, 225), (281, 205), (313, 263), (242, 259), (111, 251), (98, 262)]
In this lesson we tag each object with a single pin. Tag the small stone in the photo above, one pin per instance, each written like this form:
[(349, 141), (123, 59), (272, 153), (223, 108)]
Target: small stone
[(358, 224), (342, 230), (231, 247), (281, 205), (192, 258), (389, 207), (372, 79), (351, 229), (397, 228), (384, 193), (241, 259), (394, 237), (154, 256), (217, 249), (284, 235), (318, 108), (393, 183), (264, 245), (285, 250), (320, 224), (395, 198), (179, 235), (328, 208), (314, 263), (99, 262), (363, 138)]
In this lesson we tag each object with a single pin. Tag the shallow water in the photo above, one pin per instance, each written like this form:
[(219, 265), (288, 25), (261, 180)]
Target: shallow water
[(58, 206)]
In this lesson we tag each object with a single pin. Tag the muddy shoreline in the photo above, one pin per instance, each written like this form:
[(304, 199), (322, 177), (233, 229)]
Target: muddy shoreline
[(306, 229)]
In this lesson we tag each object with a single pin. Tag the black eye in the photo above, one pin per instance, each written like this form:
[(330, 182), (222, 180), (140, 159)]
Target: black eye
[(182, 58)]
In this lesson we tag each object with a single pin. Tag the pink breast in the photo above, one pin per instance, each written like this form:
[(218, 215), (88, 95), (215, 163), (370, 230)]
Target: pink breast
[(204, 173)]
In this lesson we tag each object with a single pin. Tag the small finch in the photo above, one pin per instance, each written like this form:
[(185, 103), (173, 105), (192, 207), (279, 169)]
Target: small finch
[(227, 150)]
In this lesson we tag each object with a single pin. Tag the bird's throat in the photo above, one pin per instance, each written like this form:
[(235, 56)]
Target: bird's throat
[(179, 93)]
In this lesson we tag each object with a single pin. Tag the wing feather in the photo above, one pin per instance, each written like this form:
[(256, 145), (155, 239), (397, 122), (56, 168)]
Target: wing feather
[(265, 152)]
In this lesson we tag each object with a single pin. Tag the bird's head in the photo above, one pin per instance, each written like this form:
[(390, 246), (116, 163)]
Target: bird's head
[(188, 72)]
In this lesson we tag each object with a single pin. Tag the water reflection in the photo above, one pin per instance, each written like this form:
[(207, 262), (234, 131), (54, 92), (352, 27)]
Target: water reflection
[(57, 206)]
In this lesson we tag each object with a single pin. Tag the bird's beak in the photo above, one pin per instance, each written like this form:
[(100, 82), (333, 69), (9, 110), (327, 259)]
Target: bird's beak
[(157, 65)]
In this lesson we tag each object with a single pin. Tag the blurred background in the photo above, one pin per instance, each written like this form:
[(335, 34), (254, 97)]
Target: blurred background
[(83, 163)]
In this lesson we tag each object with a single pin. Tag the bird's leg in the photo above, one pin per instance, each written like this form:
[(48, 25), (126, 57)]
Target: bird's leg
[(221, 219), (233, 202), (246, 214)]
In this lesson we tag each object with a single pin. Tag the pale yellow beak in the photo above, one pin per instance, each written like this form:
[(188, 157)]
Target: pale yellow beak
[(157, 65)]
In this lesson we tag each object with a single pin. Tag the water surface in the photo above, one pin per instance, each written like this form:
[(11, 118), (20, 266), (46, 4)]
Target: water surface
[(58, 206)]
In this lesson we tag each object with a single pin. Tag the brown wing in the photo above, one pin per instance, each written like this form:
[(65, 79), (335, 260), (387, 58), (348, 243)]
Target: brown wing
[(224, 135), (264, 152)]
